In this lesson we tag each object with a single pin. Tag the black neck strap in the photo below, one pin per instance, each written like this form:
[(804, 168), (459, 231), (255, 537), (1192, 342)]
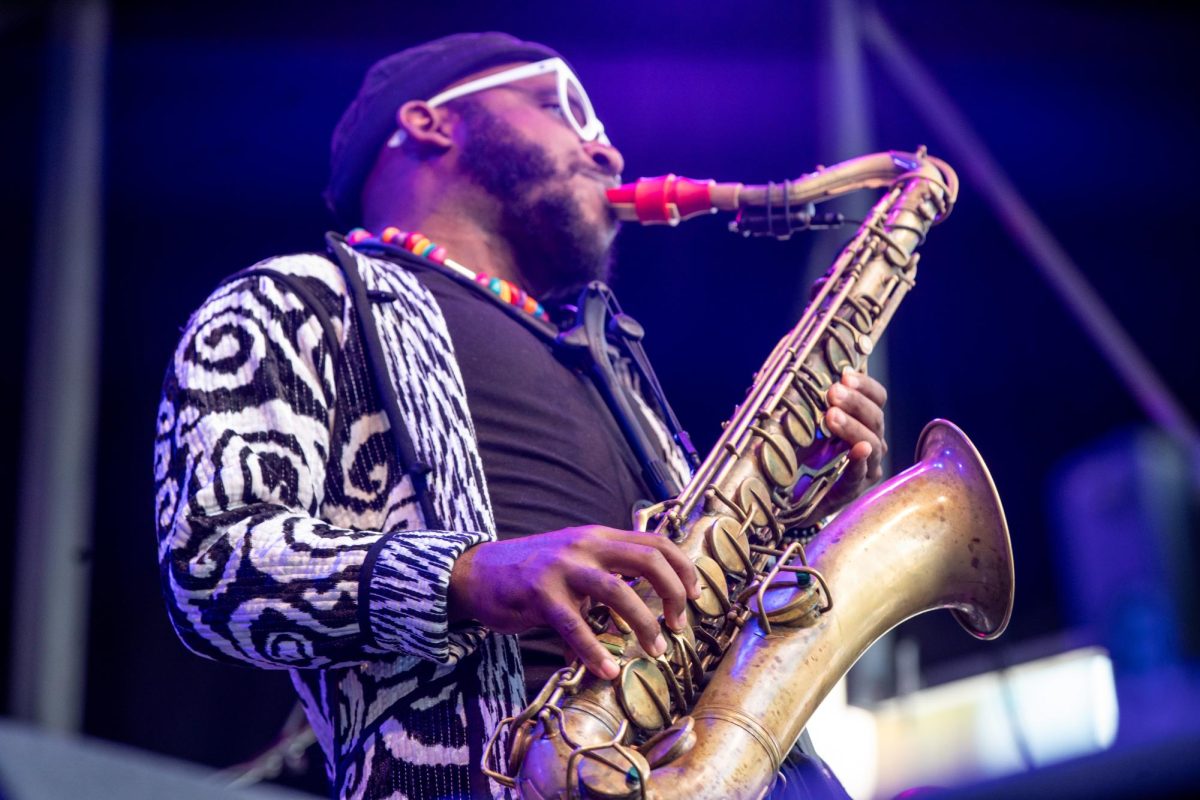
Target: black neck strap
[(599, 337), (600, 329)]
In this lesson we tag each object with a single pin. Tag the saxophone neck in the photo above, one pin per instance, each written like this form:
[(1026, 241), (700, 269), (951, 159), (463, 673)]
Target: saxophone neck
[(669, 199)]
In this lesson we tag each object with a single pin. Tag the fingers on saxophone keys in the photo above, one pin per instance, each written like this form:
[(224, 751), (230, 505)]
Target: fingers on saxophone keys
[(875, 391), (575, 631), (682, 566), (853, 432), (612, 591), (630, 548), (864, 467), (661, 562), (857, 406)]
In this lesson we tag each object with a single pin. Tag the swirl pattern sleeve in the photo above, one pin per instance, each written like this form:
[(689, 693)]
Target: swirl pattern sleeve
[(287, 535)]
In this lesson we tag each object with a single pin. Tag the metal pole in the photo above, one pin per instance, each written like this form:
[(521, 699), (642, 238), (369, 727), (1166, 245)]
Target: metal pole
[(849, 134), (846, 130), (54, 518), (1063, 275)]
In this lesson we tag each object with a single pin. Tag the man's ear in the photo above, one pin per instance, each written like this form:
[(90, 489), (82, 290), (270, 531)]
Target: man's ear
[(425, 127)]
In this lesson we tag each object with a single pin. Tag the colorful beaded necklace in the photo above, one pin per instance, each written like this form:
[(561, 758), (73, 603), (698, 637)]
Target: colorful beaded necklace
[(419, 245)]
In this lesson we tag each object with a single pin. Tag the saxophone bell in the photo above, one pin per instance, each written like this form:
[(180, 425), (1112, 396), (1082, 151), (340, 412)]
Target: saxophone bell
[(932, 537)]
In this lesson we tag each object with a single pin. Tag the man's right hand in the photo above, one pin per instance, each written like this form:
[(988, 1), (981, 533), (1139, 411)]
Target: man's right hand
[(553, 578)]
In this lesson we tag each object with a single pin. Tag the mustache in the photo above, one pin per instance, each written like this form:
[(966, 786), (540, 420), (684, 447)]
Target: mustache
[(609, 180)]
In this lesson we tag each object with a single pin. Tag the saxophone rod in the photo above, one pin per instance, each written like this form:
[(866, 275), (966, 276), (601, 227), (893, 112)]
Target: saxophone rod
[(789, 352), (670, 199)]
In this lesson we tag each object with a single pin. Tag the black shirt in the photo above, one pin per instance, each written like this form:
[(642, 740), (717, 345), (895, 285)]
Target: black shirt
[(553, 455)]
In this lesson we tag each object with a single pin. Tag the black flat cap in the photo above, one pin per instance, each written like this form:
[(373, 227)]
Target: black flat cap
[(417, 73)]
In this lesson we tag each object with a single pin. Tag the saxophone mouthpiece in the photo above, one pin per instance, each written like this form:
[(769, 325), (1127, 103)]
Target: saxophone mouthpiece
[(668, 199)]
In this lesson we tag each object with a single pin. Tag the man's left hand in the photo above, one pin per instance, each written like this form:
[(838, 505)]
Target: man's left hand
[(855, 417)]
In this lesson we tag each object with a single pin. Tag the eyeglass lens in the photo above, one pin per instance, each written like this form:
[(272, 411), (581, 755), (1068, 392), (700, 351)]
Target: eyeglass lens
[(575, 105)]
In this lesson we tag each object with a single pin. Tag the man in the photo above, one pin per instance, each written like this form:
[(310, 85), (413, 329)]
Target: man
[(375, 467)]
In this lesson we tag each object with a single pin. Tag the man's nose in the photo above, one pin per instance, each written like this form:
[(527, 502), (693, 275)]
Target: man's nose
[(606, 157)]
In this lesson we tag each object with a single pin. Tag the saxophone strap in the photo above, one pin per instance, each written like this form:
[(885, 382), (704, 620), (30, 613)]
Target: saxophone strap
[(600, 336), (600, 329)]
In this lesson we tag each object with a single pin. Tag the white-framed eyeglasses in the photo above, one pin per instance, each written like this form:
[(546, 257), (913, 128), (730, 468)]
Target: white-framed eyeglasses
[(573, 100)]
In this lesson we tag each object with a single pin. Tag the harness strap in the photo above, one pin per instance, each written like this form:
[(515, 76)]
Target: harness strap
[(406, 454)]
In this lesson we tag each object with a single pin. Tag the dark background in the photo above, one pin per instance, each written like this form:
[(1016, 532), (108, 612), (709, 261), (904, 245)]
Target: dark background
[(217, 127)]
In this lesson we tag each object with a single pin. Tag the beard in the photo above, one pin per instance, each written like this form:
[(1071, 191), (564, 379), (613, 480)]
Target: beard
[(557, 249)]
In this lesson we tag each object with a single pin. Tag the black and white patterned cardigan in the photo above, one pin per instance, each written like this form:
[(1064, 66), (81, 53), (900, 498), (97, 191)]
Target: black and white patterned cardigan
[(289, 538)]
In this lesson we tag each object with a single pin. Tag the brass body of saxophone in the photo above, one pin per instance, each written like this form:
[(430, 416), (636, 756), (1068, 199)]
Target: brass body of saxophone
[(779, 622)]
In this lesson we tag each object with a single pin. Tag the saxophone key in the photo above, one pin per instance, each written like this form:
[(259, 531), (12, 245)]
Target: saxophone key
[(729, 545), (644, 694), (756, 502), (613, 643), (799, 420), (777, 460), (790, 603), (670, 744), (839, 352), (615, 772), (713, 601), (619, 622)]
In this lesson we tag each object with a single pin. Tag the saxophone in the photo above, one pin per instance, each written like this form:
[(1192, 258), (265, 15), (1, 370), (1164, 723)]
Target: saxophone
[(780, 619)]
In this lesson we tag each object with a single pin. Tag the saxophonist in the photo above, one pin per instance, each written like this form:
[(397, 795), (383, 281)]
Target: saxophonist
[(403, 469)]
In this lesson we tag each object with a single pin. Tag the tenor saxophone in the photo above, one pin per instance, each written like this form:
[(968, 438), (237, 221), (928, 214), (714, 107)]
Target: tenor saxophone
[(780, 619)]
